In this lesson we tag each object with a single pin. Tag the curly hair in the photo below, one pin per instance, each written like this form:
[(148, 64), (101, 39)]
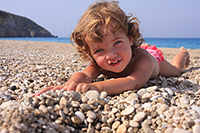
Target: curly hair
[(100, 16)]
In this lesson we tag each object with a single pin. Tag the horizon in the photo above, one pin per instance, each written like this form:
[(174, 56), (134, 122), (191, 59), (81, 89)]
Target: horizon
[(159, 19)]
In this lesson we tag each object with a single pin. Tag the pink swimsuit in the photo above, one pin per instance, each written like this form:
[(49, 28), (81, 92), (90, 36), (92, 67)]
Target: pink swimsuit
[(154, 51)]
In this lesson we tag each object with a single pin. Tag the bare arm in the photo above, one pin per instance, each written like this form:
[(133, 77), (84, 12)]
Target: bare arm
[(143, 70), (142, 73)]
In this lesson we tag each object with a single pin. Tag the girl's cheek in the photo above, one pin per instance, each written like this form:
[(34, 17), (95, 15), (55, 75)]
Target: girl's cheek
[(100, 61)]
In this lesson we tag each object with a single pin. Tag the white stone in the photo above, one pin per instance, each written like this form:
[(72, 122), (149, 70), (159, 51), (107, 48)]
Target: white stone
[(169, 91), (146, 106), (129, 110), (92, 94), (80, 115), (139, 116), (196, 108), (133, 123), (103, 94)]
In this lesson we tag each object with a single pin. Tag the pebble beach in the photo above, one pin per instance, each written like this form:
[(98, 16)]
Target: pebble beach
[(163, 105)]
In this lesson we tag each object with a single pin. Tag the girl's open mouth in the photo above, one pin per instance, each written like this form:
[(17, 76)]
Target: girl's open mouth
[(115, 63)]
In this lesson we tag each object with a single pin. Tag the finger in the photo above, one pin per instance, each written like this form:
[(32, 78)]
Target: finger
[(72, 86), (42, 91), (65, 87), (57, 87), (79, 87), (85, 88)]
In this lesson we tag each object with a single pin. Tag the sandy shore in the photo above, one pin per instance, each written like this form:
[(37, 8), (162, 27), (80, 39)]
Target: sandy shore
[(27, 67)]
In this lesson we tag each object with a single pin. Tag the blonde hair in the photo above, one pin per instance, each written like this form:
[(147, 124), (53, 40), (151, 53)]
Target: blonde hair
[(103, 15)]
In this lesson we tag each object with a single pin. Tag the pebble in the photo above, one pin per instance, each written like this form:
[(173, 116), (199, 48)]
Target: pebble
[(139, 116), (103, 94), (43, 108), (129, 110), (92, 94), (122, 129), (91, 115), (76, 120), (80, 115), (141, 92), (134, 123), (115, 125)]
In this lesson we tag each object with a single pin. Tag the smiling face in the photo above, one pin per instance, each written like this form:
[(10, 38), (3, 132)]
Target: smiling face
[(113, 53)]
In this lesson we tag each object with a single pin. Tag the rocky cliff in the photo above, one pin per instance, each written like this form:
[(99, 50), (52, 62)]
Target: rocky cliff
[(17, 26)]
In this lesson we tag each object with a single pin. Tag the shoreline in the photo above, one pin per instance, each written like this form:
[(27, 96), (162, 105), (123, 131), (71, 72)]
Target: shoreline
[(163, 104), (68, 46)]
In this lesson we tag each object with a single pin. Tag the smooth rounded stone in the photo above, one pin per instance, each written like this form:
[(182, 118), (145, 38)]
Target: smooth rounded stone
[(115, 125), (103, 94), (129, 110), (80, 115), (75, 95), (98, 126), (152, 88), (65, 110), (155, 97), (84, 99), (101, 102), (4, 130), (169, 91), (184, 100), (75, 104), (121, 129), (141, 92), (196, 127), (196, 108), (154, 114), (132, 96), (179, 130), (110, 120), (85, 107), (130, 130), (164, 107), (139, 116), (114, 110), (106, 129), (148, 129), (106, 107), (133, 123), (146, 122), (40, 67), (161, 100), (90, 120), (146, 106), (92, 94), (58, 121), (63, 101), (91, 115), (76, 120), (169, 130), (43, 108), (61, 113), (147, 95)]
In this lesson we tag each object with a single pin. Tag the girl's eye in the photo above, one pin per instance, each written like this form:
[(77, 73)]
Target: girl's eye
[(99, 50), (117, 42)]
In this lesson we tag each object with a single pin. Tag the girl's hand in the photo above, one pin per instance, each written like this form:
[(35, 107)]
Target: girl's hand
[(79, 87), (48, 89), (84, 87)]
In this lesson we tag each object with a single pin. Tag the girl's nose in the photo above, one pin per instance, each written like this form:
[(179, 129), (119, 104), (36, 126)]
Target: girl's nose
[(111, 55)]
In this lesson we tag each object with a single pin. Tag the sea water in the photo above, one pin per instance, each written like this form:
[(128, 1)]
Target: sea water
[(189, 43)]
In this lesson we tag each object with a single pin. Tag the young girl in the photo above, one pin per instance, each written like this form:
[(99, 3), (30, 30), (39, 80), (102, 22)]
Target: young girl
[(111, 40)]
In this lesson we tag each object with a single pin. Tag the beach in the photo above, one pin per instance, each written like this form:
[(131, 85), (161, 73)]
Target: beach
[(162, 105)]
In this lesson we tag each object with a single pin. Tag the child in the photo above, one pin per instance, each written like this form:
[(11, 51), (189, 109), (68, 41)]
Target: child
[(111, 41)]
